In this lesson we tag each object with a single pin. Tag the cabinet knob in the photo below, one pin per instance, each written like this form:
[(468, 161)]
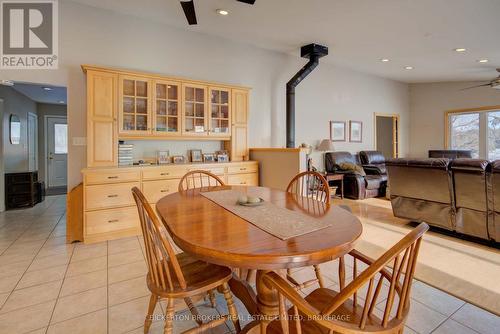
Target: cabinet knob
[(111, 196), (164, 190), (243, 168), (164, 174), (113, 221), (112, 177)]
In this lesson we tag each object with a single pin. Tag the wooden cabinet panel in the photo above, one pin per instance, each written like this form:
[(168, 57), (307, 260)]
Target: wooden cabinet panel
[(155, 190), (238, 146), (248, 179), (112, 220), (214, 170), (102, 136), (109, 195), (164, 172), (112, 177), (243, 168), (240, 106)]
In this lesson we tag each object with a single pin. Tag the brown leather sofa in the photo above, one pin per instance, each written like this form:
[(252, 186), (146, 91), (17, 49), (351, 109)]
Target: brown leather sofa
[(457, 195), (355, 186), (421, 190), (450, 154), (373, 162)]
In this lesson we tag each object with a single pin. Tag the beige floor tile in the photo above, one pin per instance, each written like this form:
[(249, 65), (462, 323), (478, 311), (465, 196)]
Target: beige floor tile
[(408, 330), (7, 284), (127, 271), (26, 319), (478, 319), (54, 250), (31, 296), (124, 258), (13, 258), (38, 331), (84, 282), (3, 298), (49, 261), (78, 304), (423, 319), (87, 266), (126, 290), (14, 269), (452, 327), (92, 323), (36, 277), (123, 245), (436, 299), (130, 315), (80, 253)]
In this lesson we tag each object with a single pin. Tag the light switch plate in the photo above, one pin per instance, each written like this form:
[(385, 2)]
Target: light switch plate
[(79, 141)]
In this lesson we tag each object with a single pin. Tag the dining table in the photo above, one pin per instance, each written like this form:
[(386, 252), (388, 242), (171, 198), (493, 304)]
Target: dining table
[(212, 233)]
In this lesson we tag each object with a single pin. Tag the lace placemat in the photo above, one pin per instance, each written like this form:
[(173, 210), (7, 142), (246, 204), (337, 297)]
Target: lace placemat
[(280, 222)]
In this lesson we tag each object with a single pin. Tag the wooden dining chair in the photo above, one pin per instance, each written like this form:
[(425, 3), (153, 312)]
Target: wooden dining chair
[(327, 311), (180, 276), (311, 185), (199, 179)]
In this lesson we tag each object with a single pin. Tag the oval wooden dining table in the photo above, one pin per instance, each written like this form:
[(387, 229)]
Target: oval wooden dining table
[(211, 233)]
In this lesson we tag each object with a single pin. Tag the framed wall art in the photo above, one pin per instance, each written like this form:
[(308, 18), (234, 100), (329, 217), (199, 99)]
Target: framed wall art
[(337, 131), (355, 131)]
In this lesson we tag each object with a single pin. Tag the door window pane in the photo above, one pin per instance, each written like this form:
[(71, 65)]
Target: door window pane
[(494, 135), (60, 138), (464, 132)]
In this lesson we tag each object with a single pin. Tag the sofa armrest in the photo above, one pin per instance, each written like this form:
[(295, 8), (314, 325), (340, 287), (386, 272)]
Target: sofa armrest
[(373, 170), (354, 186)]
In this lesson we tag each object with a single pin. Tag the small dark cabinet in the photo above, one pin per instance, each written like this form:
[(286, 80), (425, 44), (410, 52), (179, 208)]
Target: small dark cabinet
[(22, 190)]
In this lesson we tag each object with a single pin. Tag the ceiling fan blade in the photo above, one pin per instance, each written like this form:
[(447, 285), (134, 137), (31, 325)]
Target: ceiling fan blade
[(250, 2), (189, 11), (483, 85)]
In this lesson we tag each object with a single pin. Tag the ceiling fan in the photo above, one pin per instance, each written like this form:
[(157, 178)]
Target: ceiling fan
[(189, 11), (495, 83)]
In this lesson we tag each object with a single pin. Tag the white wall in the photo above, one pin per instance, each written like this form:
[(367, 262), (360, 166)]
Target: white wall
[(428, 103), (93, 36)]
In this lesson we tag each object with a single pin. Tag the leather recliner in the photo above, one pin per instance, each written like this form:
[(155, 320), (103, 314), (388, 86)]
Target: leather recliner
[(422, 190), (373, 162), (355, 186), (471, 198), (494, 186)]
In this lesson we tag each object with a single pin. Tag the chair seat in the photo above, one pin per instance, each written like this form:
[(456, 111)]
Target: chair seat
[(320, 299), (200, 277), (375, 181)]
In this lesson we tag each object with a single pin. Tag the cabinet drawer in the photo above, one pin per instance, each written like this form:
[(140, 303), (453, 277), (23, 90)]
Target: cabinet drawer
[(109, 195), (111, 220), (249, 179), (155, 190), (170, 172), (219, 171), (244, 168), (112, 177)]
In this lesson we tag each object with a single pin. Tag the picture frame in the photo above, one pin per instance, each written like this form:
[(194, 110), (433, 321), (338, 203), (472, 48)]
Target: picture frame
[(196, 156), (178, 159), (162, 157), (222, 158), (337, 131), (208, 157), (355, 131)]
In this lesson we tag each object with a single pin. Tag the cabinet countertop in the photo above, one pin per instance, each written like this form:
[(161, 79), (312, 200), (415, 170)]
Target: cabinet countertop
[(188, 164)]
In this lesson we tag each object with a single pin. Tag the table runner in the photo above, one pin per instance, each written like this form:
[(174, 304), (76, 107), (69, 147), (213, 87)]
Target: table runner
[(280, 222)]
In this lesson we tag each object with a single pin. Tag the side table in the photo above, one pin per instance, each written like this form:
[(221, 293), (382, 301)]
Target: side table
[(336, 177)]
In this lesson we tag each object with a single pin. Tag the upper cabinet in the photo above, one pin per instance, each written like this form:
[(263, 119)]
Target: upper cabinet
[(220, 111), (166, 108), (195, 110), (135, 105)]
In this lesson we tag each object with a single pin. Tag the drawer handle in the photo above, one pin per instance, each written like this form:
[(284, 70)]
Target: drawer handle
[(112, 177), (243, 168), (243, 183), (113, 221), (164, 190), (110, 196), (163, 174)]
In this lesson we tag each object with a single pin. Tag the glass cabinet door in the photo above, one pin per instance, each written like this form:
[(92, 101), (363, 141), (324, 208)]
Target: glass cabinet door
[(219, 112), (134, 102), (195, 113), (166, 108)]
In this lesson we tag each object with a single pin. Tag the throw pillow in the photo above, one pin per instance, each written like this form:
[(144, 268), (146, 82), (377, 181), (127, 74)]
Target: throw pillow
[(353, 168)]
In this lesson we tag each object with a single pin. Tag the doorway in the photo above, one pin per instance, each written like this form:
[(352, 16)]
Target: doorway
[(56, 128), (387, 134)]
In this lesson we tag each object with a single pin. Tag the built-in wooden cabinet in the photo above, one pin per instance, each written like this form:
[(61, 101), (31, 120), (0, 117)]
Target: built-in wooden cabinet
[(195, 113), (219, 111), (135, 105), (166, 108), (102, 136), (238, 146)]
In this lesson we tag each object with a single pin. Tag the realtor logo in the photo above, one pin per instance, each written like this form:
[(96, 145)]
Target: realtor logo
[(29, 34)]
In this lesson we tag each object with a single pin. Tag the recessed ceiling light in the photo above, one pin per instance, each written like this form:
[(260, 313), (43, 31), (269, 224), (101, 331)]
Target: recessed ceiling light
[(384, 60), (408, 67), (62, 102), (460, 49), (48, 89), (222, 12), (482, 61)]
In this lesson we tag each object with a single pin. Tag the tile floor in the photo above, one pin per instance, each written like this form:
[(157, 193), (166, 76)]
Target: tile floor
[(47, 286)]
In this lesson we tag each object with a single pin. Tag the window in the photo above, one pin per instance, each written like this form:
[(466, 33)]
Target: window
[(478, 131), (60, 138), (464, 132)]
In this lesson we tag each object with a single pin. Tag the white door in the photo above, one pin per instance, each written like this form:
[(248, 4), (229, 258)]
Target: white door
[(32, 141), (57, 149)]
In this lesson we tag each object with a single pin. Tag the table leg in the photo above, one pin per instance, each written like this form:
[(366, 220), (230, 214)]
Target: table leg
[(244, 292)]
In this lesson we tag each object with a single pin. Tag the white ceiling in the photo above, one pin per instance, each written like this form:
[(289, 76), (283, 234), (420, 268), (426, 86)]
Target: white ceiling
[(418, 33), (37, 93)]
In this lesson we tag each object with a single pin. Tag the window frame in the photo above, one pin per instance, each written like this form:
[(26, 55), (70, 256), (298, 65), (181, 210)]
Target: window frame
[(483, 126)]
